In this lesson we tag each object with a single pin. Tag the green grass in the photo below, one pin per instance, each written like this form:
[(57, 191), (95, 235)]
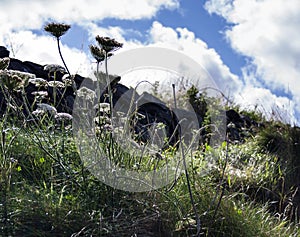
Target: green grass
[(51, 193), (248, 189)]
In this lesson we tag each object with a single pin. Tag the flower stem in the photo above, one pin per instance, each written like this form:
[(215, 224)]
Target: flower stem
[(60, 54)]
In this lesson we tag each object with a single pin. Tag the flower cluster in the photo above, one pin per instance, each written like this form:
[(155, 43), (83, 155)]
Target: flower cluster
[(39, 82), (97, 53), (86, 93), (108, 44), (4, 63), (57, 29), (15, 80), (54, 68)]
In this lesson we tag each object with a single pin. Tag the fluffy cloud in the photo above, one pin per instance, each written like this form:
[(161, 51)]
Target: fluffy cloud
[(267, 32), (28, 46), (185, 41), (19, 19), (17, 14)]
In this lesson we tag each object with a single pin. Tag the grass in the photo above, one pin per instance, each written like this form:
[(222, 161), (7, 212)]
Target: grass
[(248, 189)]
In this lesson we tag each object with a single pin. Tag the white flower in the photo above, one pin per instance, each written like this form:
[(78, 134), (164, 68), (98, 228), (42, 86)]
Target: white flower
[(39, 82), (48, 108), (40, 94), (23, 75), (63, 116), (54, 68), (86, 93), (38, 112), (56, 84), (103, 107), (68, 80)]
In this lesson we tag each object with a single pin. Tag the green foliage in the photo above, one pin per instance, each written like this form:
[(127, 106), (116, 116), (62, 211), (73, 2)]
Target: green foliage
[(46, 190)]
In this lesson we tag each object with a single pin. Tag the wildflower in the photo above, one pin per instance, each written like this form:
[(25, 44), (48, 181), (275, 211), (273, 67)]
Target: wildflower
[(86, 93), (38, 82), (54, 68), (56, 84), (68, 80), (98, 54), (4, 63), (108, 44), (47, 108), (57, 29), (103, 107), (40, 94), (63, 116), (38, 112), (15, 80)]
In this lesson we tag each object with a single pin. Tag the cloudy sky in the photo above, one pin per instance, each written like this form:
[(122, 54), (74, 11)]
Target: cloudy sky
[(251, 48)]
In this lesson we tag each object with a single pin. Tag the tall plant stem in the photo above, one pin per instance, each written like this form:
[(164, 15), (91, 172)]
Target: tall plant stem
[(187, 173), (109, 91), (60, 54)]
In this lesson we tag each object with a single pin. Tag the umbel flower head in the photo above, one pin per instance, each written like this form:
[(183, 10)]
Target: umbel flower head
[(57, 29), (98, 54), (15, 80), (108, 44)]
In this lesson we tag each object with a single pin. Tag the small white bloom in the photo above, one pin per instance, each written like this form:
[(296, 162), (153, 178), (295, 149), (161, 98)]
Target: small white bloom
[(23, 75), (38, 112), (56, 84), (63, 116), (47, 108), (40, 94), (68, 80), (54, 68), (103, 107), (39, 82), (86, 93)]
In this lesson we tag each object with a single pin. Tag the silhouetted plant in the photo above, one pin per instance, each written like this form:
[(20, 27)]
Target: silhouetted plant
[(58, 30)]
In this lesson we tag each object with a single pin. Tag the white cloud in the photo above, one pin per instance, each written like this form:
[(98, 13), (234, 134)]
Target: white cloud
[(185, 41), (27, 46), (266, 31), (18, 19), (32, 14), (271, 106)]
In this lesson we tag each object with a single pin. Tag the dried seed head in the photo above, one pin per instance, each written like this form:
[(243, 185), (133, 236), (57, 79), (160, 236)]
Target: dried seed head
[(57, 29), (108, 44), (98, 54)]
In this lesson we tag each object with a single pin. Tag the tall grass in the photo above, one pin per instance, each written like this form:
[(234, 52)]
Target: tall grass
[(46, 189)]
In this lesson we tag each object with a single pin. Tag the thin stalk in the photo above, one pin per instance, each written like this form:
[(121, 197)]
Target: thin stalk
[(60, 54), (187, 173), (223, 187)]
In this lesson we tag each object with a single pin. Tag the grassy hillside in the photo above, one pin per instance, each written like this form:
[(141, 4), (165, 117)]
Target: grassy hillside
[(247, 187)]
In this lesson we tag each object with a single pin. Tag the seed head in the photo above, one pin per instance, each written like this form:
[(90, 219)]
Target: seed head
[(108, 44), (57, 29), (98, 54)]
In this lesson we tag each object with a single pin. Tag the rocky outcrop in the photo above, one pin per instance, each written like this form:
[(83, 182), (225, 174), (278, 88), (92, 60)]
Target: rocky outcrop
[(151, 108)]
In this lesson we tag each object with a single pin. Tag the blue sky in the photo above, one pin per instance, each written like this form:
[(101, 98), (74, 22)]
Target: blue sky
[(251, 48)]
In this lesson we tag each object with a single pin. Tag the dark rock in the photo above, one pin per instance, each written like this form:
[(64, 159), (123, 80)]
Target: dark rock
[(3, 52)]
